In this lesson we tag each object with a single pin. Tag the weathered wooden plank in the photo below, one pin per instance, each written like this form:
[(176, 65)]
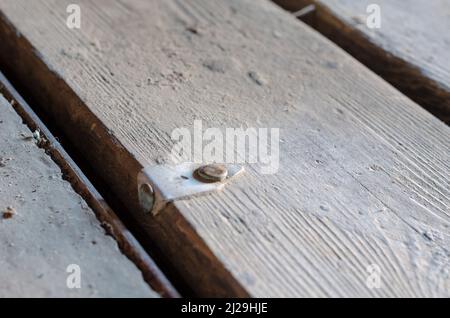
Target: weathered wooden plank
[(113, 226), (48, 227), (410, 49), (363, 175)]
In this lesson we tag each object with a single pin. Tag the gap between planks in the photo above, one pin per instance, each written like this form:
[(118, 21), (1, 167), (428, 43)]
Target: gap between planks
[(129, 246), (409, 50)]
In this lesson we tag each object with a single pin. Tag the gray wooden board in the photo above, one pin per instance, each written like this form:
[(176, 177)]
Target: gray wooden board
[(410, 49), (52, 228), (364, 171)]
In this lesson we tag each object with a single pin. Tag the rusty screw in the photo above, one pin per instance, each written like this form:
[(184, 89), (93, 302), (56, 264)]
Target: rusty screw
[(212, 173)]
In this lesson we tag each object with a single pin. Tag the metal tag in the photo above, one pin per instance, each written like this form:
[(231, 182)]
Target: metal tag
[(161, 184)]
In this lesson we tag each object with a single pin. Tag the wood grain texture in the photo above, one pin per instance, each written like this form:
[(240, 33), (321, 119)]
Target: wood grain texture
[(51, 228), (364, 172), (410, 50)]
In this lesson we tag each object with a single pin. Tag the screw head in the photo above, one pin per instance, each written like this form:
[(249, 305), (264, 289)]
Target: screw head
[(146, 197), (212, 173)]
